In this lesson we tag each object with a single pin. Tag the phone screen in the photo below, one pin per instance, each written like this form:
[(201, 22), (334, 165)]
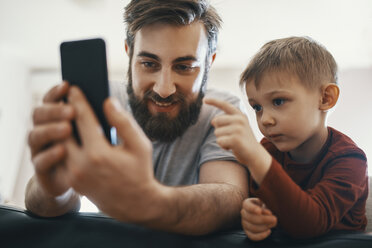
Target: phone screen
[(83, 64)]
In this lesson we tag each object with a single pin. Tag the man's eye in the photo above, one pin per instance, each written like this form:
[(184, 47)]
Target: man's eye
[(148, 64), (278, 102), (257, 107), (182, 67)]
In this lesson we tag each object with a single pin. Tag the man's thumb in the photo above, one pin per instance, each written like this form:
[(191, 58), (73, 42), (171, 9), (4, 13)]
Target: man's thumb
[(126, 126)]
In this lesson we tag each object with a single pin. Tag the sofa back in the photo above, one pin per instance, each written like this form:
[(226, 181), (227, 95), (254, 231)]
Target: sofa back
[(369, 207)]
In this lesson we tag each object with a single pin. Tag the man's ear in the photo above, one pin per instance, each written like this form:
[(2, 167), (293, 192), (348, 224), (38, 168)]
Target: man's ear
[(212, 58), (330, 93), (126, 47)]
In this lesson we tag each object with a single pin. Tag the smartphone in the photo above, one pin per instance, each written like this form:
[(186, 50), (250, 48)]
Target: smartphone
[(83, 63)]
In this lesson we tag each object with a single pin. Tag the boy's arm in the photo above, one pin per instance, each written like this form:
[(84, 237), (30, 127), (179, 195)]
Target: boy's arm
[(234, 133), (301, 213), (304, 214)]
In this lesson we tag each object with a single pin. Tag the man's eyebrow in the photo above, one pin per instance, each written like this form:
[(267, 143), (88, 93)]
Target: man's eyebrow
[(185, 58), (149, 55)]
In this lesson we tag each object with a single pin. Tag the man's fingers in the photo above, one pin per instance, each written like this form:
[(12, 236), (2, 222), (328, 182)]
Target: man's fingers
[(52, 112), (47, 159), (90, 130), (43, 135), (228, 108), (126, 126), (74, 155), (56, 93)]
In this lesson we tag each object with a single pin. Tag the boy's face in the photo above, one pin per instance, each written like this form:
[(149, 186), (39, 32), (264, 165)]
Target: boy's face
[(287, 113)]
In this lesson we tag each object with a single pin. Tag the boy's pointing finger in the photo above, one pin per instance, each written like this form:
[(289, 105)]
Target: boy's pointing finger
[(225, 106)]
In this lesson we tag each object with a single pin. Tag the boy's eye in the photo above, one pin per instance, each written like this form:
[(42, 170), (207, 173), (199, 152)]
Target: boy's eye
[(257, 107), (278, 102)]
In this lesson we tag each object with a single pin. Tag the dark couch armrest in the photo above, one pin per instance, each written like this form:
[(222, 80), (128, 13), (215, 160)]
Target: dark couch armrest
[(19, 228)]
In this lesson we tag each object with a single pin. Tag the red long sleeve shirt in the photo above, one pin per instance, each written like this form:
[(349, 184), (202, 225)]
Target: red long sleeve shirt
[(311, 199)]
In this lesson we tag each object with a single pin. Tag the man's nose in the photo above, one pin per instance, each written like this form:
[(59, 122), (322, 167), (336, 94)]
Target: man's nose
[(267, 118), (165, 84)]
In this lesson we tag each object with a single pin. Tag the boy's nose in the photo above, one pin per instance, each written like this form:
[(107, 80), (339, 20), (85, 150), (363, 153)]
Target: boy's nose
[(165, 85), (267, 119)]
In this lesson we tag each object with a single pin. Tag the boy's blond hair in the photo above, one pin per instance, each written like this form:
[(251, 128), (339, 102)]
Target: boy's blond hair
[(301, 56)]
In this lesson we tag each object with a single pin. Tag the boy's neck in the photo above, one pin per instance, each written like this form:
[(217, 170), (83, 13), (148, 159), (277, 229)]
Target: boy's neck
[(309, 150)]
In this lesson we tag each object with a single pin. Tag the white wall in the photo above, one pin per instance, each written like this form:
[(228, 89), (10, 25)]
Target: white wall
[(15, 108)]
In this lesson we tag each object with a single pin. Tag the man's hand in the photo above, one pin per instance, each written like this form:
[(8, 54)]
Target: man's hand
[(51, 127), (118, 179), (257, 220), (47, 192)]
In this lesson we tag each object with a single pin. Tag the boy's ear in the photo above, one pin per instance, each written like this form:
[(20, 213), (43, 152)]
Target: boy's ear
[(330, 93)]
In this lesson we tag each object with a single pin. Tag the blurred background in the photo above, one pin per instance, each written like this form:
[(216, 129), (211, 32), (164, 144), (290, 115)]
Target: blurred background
[(31, 31)]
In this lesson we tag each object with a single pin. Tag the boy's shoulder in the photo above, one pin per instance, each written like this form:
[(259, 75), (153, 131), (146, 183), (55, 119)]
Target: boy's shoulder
[(339, 144)]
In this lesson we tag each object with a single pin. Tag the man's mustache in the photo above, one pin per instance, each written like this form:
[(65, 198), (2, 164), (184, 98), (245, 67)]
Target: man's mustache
[(176, 97)]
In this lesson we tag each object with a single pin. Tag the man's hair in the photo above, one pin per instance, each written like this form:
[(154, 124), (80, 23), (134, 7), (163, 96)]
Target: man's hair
[(301, 56), (140, 13)]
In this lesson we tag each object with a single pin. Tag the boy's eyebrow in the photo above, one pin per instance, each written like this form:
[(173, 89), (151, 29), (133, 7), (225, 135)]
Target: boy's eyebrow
[(276, 92), (251, 101)]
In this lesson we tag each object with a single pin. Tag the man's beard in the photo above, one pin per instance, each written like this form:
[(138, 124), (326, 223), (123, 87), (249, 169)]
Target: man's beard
[(160, 126)]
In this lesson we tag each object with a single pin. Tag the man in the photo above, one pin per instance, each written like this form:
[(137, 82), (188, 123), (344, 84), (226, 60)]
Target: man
[(171, 45)]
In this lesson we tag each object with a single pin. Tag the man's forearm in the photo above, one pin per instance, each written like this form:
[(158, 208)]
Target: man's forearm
[(199, 209), (42, 204)]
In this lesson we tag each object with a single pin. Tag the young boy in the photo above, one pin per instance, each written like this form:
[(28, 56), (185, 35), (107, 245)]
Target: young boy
[(306, 178)]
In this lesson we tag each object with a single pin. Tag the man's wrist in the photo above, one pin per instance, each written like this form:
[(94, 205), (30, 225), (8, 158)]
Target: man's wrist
[(65, 197)]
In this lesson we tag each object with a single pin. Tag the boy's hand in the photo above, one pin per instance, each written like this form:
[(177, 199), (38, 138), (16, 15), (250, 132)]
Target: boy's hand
[(257, 220), (233, 132)]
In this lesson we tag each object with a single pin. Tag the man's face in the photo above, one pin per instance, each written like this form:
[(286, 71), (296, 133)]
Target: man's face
[(167, 73)]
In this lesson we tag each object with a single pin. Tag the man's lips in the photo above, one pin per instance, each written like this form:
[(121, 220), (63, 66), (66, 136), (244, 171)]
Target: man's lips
[(162, 104), (156, 106)]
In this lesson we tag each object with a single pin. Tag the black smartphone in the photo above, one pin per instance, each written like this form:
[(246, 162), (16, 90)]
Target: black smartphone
[(83, 64)]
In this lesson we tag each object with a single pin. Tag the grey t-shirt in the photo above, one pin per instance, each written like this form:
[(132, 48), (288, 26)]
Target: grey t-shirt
[(178, 163)]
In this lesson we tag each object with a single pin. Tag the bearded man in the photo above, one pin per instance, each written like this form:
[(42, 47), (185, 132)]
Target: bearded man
[(166, 141)]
